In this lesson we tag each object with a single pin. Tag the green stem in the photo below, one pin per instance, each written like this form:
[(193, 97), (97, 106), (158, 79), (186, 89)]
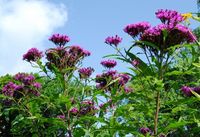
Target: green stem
[(157, 112), (158, 99)]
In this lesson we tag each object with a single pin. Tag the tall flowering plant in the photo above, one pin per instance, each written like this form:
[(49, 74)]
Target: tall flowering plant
[(159, 44)]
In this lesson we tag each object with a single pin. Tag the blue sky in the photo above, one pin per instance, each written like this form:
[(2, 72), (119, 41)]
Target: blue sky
[(86, 22)]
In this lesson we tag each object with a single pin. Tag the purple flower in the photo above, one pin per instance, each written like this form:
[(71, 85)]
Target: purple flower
[(34, 92), (26, 79), (162, 135), (137, 28), (74, 111), (61, 117), (102, 105), (197, 89), (113, 40), (33, 54), (10, 88), (87, 107), (103, 79), (123, 79), (86, 53), (145, 131), (184, 34), (59, 39), (169, 17), (187, 90), (78, 52), (20, 76), (175, 35), (109, 63), (128, 89), (65, 57), (37, 85), (135, 62), (85, 72)]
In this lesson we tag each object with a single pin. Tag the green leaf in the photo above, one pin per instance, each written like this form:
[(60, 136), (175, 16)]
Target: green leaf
[(196, 64)]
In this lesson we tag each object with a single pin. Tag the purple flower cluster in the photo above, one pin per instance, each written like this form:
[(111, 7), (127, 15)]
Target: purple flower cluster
[(33, 54), (85, 72), (61, 117), (176, 35), (26, 84), (128, 90), (74, 111), (135, 62), (145, 131), (109, 63), (87, 108), (164, 35), (113, 40), (123, 78), (137, 28), (169, 17), (10, 88), (105, 106), (59, 39), (62, 57), (105, 78), (187, 90), (26, 79), (78, 51)]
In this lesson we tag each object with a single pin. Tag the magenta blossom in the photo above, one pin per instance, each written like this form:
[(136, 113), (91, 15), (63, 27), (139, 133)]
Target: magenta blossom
[(74, 111), (128, 90), (78, 51), (113, 40), (169, 17), (59, 39), (61, 117), (33, 54), (187, 90), (10, 88), (26, 79), (137, 28), (123, 79), (145, 131), (135, 62), (175, 35), (109, 63), (85, 72), (37, 85)]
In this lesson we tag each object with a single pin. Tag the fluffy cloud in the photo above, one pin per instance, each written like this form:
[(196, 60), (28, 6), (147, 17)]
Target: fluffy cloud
[(25, 24)]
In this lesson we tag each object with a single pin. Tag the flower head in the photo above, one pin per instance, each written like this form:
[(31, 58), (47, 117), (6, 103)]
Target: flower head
[(128, 89), (61, 117), (123, 79), (59, 39), (37, 85), (113, 40), (26, 79), (85, 72), (74, 111), (137, 28), (109, 63), (33, 54), (10, 88), (187, 90), (135, 62), (169, 16), (145, 130)]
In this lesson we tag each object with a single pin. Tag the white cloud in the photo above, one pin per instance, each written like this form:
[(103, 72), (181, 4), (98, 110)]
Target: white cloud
[(25, 24)]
